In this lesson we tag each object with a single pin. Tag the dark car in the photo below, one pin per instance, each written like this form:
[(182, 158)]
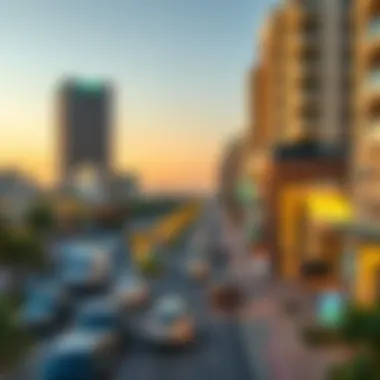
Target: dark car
[(225, 295), (79, 355), (45, 308), (103, 315), (85, 268)]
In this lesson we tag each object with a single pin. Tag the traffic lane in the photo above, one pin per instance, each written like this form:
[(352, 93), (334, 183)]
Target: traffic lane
[(219, 353)]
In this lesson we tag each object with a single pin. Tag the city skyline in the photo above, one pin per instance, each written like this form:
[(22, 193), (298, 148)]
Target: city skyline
[(179, 67)]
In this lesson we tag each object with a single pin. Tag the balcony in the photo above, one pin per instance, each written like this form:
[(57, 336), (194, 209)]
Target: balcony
[(374, 29), (373, 83)]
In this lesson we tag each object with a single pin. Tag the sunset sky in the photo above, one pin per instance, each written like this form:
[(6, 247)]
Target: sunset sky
[(178, 66)]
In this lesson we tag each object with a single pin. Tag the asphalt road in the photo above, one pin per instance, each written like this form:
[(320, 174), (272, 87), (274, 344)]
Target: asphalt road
[(219, 353)]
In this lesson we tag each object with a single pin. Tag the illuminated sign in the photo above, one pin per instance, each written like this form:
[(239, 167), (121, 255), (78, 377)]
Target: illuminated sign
[(330, 308)]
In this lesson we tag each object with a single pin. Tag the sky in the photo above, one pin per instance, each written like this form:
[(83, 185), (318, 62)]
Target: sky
[(178, 66)]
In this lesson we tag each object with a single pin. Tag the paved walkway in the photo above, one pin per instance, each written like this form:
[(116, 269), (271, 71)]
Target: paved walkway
[(273, 340)]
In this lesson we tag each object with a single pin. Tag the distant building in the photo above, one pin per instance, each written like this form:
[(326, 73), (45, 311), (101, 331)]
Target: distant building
[(85, 126), (229, 175), (124, 187), (17, 193)]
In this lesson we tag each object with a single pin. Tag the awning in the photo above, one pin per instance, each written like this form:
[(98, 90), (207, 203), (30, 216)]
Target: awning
[(329, 207)]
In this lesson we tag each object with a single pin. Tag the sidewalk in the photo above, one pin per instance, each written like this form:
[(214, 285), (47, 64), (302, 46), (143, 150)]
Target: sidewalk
[(273, 340)]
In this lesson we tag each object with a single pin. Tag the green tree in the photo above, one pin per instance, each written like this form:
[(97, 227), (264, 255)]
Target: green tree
[(361, 367), (5, 238), (373, 331), (152, 265), (354, 324), (13, 341), (40, 217), (26, 250)]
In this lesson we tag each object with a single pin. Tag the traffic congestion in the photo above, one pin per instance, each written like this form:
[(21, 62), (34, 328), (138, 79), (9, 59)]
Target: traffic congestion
[(96, 318)]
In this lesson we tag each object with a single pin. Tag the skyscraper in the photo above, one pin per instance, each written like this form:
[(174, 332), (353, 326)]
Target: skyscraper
[(302, 87), (366, 169), (85, 126)]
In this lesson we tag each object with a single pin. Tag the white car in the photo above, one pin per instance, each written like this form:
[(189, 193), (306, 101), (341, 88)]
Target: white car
[(131, 290), (169, 323)]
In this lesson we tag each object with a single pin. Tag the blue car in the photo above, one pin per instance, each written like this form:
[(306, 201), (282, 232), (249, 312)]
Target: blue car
[(79, 355), (45, 308), (84, 267), (102, 315)]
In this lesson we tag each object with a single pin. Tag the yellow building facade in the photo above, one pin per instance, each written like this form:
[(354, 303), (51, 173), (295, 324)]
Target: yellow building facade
[(312, 228), (366, 158)]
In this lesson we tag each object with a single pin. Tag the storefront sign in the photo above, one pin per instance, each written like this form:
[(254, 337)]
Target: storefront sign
[(330, 307)]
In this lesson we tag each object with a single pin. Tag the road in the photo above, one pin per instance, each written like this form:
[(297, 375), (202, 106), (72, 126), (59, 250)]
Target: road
[(219, 354)]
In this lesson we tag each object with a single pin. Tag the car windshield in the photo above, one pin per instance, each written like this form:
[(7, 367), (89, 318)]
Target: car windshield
[(100, 320), (78, 263), (70, 366), (131, 282), (40, 301), (169, 310)]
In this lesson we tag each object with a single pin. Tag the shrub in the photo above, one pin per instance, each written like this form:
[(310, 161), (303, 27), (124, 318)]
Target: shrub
[(354, 324), (151, 265), (320, 336), (361, 367), (13, 341), (40, 218)]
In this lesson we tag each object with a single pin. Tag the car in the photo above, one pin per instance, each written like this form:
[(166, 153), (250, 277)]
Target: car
[(131, 291), (103, 315), (225, 295), (45, 308), (85, 268), (197, 266), (169, 323), (79, 355)]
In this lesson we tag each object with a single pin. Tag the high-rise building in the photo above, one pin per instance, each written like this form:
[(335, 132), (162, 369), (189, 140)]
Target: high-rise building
[(230, 171), (366, 169), (301, 98), (305, 67), (363, 257), (85, 126)]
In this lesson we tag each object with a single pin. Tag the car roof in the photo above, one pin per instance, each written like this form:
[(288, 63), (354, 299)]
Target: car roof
[(39, 291), (75, 341), (81, 248), (99, 305), (171, 302), (128, 278)]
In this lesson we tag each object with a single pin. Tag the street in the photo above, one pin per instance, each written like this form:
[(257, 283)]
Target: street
[(219, 352)]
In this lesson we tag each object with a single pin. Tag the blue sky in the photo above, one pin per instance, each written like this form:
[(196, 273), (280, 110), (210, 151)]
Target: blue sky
[(179, 68)]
